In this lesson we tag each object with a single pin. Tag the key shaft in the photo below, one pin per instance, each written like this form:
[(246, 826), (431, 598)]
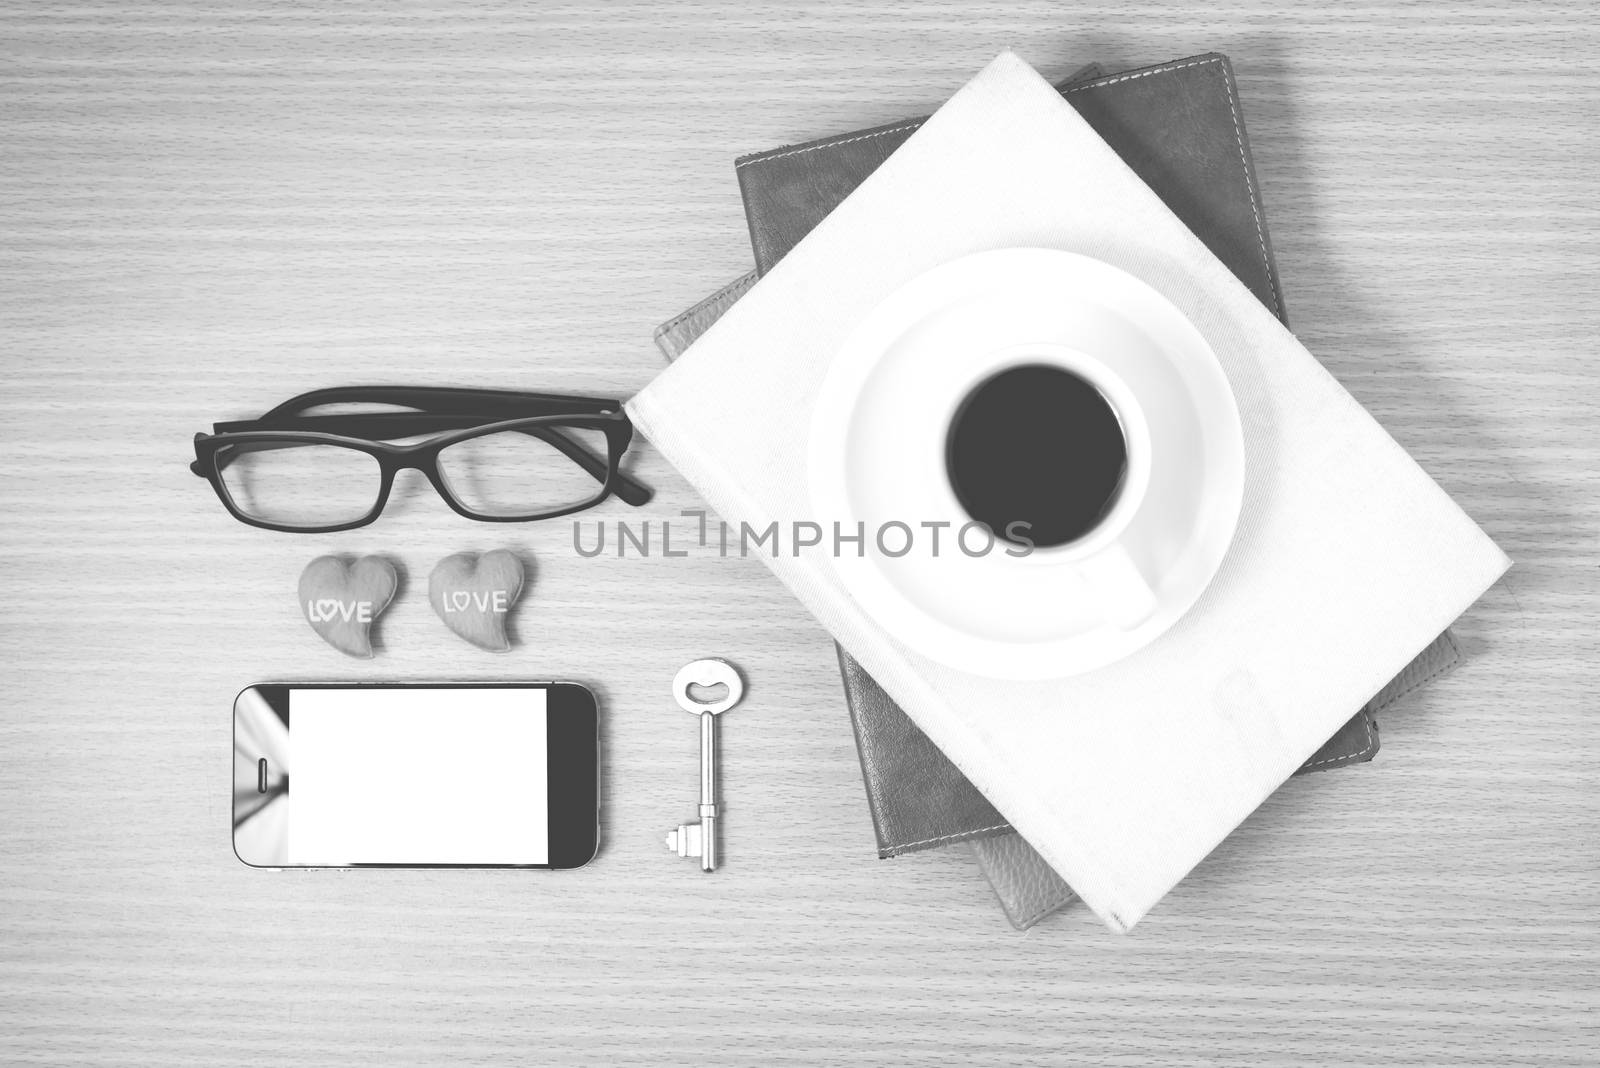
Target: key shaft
[(708, 791)]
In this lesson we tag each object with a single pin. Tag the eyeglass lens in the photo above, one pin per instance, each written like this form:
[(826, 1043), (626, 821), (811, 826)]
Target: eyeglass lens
[(300, 484), (519, 473)]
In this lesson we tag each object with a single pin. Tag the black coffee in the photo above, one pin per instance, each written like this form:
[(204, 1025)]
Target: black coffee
[(1039, 445)]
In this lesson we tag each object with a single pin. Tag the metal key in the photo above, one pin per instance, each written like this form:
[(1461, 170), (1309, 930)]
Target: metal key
[(700, 839)]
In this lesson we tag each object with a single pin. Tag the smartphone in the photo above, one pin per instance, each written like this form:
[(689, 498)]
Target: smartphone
[(416, 776)]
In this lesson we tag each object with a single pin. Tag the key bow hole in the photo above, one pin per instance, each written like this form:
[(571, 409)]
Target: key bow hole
[(701, 694)]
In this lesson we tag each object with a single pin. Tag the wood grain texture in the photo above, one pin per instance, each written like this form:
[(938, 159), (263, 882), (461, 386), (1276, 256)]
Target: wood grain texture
[(204, 210)]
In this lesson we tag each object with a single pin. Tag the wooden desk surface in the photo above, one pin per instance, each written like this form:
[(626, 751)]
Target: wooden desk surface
[(204, 210)]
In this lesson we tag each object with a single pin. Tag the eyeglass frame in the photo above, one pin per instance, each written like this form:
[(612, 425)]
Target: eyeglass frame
[(286, 423)]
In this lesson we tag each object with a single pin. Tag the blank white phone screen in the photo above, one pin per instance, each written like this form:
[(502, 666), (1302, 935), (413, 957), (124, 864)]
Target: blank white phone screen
[(417, 776)]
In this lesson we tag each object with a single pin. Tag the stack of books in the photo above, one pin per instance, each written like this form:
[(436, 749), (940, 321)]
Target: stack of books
[(1180, 128)]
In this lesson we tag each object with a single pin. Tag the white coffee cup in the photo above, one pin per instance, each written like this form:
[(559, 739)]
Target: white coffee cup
[(880, 438), (1108, 564)]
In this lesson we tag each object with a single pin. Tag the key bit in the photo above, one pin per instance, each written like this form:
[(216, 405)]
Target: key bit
[(685, 841), (700, 839)]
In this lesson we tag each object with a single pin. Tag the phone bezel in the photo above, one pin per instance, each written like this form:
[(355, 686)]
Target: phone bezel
[(572, 767)]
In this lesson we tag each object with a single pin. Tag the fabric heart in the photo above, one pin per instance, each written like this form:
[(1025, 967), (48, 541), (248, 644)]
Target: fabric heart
[(473, 595), (341, 599)]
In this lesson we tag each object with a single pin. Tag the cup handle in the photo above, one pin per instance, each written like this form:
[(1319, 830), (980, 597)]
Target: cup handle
[(1125, 595)]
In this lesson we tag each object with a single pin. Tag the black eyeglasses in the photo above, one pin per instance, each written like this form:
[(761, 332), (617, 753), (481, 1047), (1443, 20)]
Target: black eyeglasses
[(495, 455)]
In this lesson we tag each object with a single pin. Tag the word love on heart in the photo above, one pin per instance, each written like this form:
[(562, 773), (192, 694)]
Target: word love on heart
[(473, 595), (328, 609), (342, 598), (487, 601)]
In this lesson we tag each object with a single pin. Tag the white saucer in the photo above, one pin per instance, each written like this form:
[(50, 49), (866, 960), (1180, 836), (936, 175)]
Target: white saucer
[(877, 454)]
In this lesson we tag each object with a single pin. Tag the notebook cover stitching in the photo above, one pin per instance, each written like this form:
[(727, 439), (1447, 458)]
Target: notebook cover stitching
[(738, 285), (1348, 758)]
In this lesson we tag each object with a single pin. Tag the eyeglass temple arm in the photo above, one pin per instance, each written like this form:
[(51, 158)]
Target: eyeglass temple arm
[(431, 398), (630, 490)]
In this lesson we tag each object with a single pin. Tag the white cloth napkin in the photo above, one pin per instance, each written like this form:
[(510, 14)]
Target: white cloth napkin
[(1348, 559)]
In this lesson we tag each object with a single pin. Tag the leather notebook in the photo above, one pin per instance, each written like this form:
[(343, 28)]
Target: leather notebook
[(1179, 128)]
